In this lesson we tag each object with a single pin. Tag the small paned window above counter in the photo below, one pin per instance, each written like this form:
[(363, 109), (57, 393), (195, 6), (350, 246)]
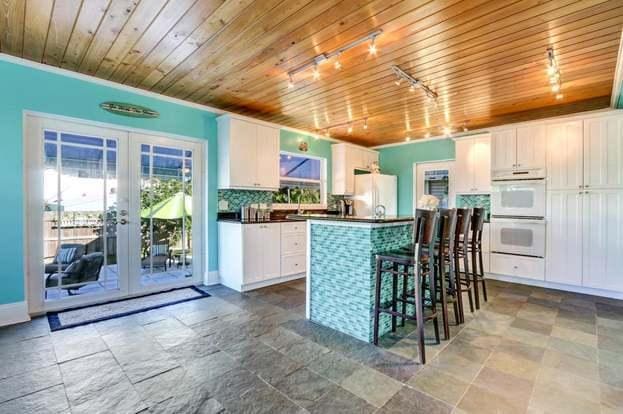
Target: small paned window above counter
[(301, 179)]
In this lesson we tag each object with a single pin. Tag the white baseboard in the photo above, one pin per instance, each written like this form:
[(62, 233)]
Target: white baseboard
[(264, 283), (557, 286), (212, 278), (13, 313)]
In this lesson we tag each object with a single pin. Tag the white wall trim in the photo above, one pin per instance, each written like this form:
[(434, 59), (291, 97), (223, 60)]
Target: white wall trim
[(557, 286), (211, 278), (561, 118), (12, 313), (617, 82), (206, 108), (451, 190)]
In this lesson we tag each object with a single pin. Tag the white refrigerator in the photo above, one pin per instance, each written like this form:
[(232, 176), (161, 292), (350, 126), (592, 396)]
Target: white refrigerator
[(374, 189)]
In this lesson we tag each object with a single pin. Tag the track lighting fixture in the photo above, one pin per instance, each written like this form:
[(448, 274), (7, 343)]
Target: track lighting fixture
[(337, 64), (290, 82), (350, 128), (447, 131), (407, 138), (316, 72), (414, 83), (553, 72), (323, 57), (349, 125), (365, 123), (372, 48)]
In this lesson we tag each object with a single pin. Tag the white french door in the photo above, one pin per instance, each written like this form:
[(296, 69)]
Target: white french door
[(109, 213)]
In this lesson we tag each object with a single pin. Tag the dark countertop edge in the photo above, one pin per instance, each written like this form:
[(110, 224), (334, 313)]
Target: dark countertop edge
[(353, 219), (238, 221)]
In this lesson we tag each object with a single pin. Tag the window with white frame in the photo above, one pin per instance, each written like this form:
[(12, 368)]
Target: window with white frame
[(302, 180)]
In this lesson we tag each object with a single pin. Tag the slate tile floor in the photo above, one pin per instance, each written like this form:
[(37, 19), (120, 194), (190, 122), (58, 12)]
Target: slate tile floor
[(529, 350)]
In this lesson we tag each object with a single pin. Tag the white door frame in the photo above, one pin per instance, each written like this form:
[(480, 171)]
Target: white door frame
[(451, 192), (33, 125)]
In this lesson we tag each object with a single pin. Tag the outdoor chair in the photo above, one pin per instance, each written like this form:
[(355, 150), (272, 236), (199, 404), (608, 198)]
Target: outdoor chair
[(66, 254), (78, 274)]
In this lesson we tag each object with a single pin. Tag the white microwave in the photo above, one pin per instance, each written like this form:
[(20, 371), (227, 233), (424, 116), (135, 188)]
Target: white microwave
[(518, 198), (524, 237)]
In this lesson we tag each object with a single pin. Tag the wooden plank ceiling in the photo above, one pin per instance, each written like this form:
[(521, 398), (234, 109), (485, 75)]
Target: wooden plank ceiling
[(486, 59)]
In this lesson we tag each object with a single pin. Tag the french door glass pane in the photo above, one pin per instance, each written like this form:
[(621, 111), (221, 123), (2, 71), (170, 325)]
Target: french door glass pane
[(80, 230), (166, 214)]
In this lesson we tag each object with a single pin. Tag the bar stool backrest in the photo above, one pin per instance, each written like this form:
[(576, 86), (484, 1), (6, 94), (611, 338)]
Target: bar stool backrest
[(447, 226), (463, 223), (478, 222), (424, 227)]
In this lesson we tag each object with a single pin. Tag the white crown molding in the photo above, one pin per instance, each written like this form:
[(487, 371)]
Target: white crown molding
[(617, 83), (206, 108), (12, 313), (561, 118)]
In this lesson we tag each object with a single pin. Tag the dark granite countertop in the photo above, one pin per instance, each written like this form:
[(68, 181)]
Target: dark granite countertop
[(275, 220), (351, 219)]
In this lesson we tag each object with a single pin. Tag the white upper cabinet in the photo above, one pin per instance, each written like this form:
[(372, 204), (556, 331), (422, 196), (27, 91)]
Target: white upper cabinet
[(603, 239), (564, 237), (564, 156), (345, 159), (473, 165), (520, 148), (504, 150), (248, 155), (603, 152), (530, 147), (268, 157)]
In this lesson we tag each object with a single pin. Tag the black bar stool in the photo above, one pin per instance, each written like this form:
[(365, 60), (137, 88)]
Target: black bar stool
[(475, 247), (461, 243), (444, 253), (398, 263)]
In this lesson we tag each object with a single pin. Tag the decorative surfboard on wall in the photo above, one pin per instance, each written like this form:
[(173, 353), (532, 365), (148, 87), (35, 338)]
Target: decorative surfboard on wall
[(125, 109)]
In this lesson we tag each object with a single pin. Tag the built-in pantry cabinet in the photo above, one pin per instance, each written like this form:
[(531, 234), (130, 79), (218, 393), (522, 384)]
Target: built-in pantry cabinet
[(345, 159), (248, 155), (585, 203), (253, 255), (472, 165)]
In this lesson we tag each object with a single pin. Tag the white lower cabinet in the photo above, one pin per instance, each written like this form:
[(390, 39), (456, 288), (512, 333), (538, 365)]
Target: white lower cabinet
[(260, 254), (518, 266), (585, 239)]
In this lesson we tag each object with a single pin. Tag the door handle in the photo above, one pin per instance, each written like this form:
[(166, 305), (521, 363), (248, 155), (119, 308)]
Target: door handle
[(123, 221), (123, 213)]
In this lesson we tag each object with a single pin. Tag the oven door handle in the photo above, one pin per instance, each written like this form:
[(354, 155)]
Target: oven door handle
[(517, 220)]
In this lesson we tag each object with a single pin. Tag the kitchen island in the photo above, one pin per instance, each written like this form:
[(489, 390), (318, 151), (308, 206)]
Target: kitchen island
[(341, 268)]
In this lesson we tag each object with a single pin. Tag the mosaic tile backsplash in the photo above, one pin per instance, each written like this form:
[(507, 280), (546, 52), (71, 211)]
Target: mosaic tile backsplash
[(237, 198), (474, 200), (343, 268)]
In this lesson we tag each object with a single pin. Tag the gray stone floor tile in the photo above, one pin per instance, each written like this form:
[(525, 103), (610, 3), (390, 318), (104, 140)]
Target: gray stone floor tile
[(339, 401), (48, 401), (303, 386), (118, 398), (29, 382), (334, 366), (440, 385), (77, 348), (409, 400), (479, 400), (144, 360), (371, 385)]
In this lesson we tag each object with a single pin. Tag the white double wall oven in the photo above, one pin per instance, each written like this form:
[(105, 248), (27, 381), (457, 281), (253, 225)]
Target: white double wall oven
[(110, 212)]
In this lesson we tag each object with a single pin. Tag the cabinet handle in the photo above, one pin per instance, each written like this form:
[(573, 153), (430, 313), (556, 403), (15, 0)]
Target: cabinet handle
[(586, 186), (580, 186)]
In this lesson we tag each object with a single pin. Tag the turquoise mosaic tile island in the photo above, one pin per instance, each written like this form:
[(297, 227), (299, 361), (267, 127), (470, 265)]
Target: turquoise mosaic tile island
[(342, 279)]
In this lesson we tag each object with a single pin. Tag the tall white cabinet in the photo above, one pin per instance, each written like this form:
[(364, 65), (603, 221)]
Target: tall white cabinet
[(473, 165), (585, 203), (248, 155)]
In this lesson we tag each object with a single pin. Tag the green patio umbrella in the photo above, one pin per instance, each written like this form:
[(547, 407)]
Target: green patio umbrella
[(172, 208)]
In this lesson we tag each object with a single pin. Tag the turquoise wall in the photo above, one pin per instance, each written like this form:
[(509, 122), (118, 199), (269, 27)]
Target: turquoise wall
[(399, 161), (24, 88)]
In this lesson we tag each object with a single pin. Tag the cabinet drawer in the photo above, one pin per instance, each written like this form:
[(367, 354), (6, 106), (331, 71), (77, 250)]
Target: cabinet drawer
[(293, 264), (294, 227), (528, 267), (293, 243)]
